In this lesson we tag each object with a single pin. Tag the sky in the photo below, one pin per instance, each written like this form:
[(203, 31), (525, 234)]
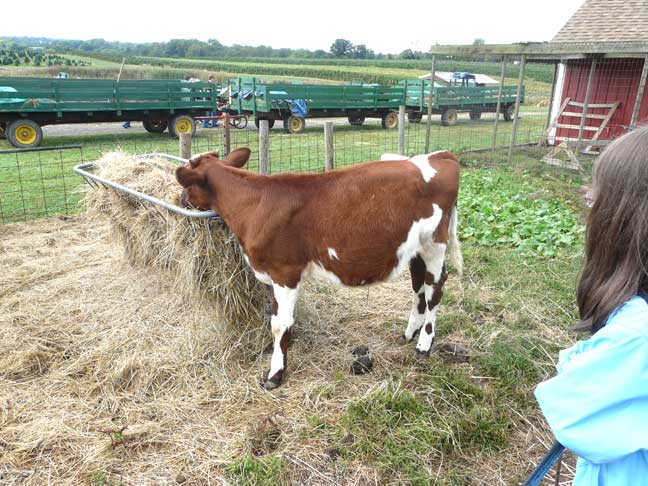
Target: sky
[(388, 27)]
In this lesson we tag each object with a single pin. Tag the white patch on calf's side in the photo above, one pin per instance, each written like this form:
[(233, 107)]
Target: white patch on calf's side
[(419, 234), (423, 164), (333, 254)]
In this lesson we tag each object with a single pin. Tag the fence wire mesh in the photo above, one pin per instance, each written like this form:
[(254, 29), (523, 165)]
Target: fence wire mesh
[(552, 119)]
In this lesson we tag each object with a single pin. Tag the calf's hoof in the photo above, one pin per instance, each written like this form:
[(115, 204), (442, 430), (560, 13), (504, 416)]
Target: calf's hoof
[(422, 354), (274, 381), (403, 339)]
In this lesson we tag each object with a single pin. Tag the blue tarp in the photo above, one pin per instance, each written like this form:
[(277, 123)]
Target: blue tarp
[(298, 107)]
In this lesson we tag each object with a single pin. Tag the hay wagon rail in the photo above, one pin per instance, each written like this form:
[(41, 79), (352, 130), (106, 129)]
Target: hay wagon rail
[(93, 180)]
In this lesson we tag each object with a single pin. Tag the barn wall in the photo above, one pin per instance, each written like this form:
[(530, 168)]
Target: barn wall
[(614, 80)]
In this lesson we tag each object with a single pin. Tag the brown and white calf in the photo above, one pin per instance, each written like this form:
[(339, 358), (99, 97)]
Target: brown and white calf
[(356, 226)]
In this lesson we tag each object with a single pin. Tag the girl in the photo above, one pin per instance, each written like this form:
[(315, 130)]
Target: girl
[(597, 405)]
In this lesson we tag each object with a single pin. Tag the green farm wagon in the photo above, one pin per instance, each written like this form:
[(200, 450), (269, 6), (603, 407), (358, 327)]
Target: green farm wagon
[(449, 101), (292, 103), (27, 104)]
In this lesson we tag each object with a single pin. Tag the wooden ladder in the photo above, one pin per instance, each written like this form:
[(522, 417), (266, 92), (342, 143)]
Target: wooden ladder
[(564, 144)]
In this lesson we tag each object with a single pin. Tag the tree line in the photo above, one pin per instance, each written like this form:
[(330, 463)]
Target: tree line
[(197, 49)]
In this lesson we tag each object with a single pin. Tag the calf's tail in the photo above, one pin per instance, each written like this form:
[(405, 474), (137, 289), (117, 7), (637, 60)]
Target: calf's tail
[(456, 259)]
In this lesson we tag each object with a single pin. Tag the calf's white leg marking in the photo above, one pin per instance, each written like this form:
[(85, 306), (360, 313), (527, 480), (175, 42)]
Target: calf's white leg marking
[(416, 319), (434, 256), (281, 322)]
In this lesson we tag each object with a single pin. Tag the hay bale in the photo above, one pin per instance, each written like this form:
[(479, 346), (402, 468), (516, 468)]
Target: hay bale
[(203, 257)]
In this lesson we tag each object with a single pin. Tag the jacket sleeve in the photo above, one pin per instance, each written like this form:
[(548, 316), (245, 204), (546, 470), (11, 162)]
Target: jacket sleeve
[(598, 406)]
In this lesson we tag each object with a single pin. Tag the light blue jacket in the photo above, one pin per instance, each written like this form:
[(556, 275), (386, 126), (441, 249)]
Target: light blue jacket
[(597, 405)]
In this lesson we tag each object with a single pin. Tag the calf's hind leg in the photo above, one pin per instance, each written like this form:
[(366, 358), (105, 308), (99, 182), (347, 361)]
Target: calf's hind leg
[(435, 277), (281, 321), (417, 314)]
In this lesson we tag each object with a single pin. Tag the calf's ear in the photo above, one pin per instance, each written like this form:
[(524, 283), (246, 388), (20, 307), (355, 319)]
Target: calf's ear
[(238, 157), (189, 177)]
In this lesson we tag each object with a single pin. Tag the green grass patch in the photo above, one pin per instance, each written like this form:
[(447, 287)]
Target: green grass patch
[(499, 208), (404, 428), (256, 471)]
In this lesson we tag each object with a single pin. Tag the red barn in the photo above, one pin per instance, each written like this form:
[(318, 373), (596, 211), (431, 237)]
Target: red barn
[(615, 77)]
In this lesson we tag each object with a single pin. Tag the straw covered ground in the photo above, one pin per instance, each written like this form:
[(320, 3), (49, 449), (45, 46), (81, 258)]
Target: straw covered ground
[(111, 376), (90, 345)]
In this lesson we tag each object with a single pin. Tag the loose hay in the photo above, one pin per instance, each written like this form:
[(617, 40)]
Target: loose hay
[(203, 257)]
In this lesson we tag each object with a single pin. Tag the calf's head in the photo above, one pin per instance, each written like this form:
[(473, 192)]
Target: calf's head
[(198, 176)]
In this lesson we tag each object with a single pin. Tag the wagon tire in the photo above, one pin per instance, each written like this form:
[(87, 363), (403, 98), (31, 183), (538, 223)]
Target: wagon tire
[(270, 122), (449, 117), (415, 116), (239, 121), (294, 124), (475, 115), (24, 133), (508, 113), (182, 124), (390, 120), (155, 125), (356, 121)]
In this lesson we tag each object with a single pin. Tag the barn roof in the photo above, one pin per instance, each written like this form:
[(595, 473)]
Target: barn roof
[(607, 21)]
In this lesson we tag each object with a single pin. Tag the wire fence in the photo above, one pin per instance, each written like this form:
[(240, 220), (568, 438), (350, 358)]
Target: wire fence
[(566, 108)]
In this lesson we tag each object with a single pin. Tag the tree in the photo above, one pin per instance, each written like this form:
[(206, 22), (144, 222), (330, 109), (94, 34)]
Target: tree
[(360, 51), (479, 42), (407, 54), (341, 48)]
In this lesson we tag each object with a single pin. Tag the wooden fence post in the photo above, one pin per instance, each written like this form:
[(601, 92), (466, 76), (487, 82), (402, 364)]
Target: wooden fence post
[(588, 92), (185, 145), (329, 157), (428, 126), (640, 92), (516, 114), (401, 130), (499, 103), (264, 147)]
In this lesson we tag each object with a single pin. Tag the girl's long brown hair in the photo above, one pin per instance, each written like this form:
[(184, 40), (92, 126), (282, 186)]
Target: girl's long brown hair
[(616, 248)]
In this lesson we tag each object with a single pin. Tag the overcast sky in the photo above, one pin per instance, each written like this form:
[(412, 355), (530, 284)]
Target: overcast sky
[(388, 27)]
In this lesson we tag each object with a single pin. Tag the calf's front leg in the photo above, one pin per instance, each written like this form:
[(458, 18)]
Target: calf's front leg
[(283, 310)]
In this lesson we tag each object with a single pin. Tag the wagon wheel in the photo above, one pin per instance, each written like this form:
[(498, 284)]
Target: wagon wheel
[(24, 133), (356, 121), (475, 115), (294, 124), (153, 125), (449, 117), (239, 121), (390, 120), (182, 124), (508, 113), (415, 116), (270, 122)]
